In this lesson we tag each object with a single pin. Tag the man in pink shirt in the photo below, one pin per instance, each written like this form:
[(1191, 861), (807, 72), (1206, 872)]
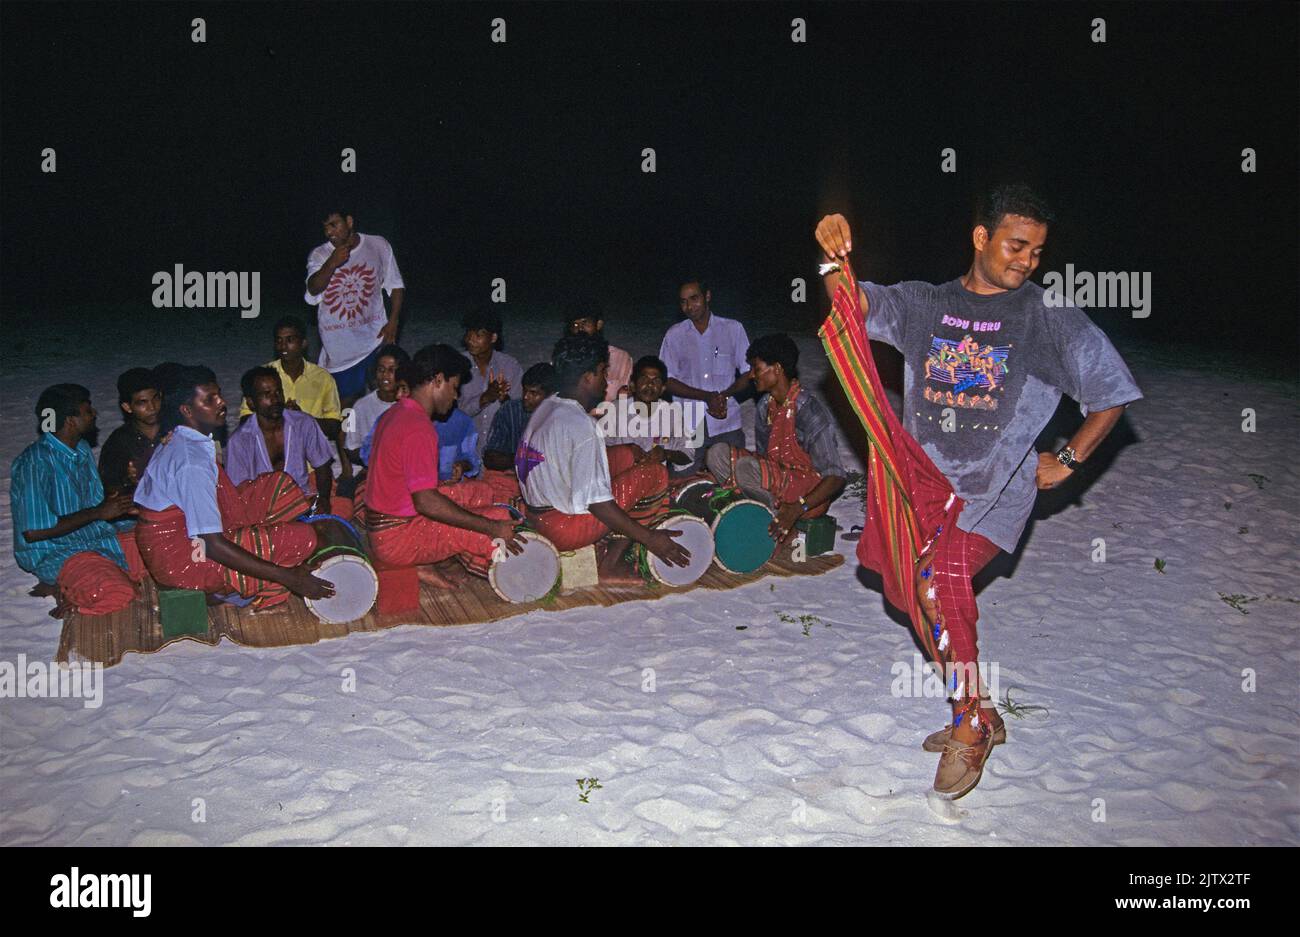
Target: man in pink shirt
[(585, 318), (411, 519)]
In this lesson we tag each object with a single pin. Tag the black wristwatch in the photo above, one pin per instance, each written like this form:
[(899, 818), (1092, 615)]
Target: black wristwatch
[(1066, 457)]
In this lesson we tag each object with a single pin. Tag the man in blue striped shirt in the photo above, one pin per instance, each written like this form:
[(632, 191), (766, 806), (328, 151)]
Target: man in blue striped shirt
[(60, 514)]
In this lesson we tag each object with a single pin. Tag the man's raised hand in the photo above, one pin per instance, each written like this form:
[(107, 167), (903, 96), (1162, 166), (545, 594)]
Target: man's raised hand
[(834, 238)]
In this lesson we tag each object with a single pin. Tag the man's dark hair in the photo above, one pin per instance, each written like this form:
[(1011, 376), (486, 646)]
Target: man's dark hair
[(1014, 198), (131, 382), (649, 361), (704, 287), (187, 381), (777, 348), (429, 362), (584, 307), (343, 213), (165, 375), (64, 399), (290, 322), (396, 352), (247, 383), (576, 355), (540, 375), (484, 317)]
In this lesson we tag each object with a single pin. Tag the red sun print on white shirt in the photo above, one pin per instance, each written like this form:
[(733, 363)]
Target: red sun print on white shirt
[(349, 291)]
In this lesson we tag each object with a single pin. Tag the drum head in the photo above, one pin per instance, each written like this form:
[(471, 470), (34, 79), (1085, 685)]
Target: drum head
[(697, 539), (694, 497), (355, 589), (529, 576), (741, 541)]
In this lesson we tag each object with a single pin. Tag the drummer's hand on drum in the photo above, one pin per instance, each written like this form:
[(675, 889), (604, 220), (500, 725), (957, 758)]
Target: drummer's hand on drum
[(834, 237), (662, 545), (782, 527), (504, 534), (300, 581)]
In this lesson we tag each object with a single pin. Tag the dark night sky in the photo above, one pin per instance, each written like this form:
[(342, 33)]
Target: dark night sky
[(522, 160)]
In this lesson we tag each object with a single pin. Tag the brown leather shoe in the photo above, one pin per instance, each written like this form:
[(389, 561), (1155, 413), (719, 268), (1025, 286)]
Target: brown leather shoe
[(961, 766), (935, 741)]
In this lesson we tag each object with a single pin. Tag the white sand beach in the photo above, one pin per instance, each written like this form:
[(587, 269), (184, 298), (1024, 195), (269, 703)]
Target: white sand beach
[(753, 733)]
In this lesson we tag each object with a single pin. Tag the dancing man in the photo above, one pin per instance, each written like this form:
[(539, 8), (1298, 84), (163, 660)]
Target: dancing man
[(955, 483)]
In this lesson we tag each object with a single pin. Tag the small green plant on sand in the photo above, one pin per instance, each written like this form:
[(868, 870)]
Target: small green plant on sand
[(1017, 710), (586, 786), (806, 620), (1160, 565), (1258, 480)]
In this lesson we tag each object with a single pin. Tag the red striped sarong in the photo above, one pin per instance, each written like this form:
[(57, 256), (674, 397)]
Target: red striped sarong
[(257, 515), (912, 509), (92, 584), (397, 542), (640, 490)]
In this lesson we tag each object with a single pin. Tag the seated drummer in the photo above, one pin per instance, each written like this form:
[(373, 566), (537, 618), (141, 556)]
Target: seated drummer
[(576, 491), (797, 470), (508, 428), (646, 410), (279, 439), (197, 530), (413, 519)]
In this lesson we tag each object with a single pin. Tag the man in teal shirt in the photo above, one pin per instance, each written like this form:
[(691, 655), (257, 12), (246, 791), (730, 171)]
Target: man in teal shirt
[(60, 514)]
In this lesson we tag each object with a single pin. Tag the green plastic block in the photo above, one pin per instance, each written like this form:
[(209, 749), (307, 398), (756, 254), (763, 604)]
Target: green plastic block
[(819, 534), (183, 611)]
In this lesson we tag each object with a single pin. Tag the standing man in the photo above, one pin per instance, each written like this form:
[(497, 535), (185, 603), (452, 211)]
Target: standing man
[(346, 279), (62, 533), (705, 355), (972, 408)]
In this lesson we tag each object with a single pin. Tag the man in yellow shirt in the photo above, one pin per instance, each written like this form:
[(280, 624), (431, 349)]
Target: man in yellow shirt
[(307, 387)]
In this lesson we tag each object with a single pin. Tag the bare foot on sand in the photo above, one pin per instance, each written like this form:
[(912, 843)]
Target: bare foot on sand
[(612, 570)]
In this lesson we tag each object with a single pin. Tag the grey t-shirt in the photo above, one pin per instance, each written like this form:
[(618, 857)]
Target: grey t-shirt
[(1000, 363)]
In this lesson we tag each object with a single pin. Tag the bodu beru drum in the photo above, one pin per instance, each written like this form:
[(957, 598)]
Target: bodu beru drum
[(696, 538), (529, 576), (741, 542), (340, 558)]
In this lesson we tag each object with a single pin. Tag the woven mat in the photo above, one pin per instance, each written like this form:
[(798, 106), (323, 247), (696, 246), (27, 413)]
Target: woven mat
[(106, 639)]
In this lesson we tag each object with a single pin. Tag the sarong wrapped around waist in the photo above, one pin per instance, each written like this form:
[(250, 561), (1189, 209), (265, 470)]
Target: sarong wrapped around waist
[(178, 562)]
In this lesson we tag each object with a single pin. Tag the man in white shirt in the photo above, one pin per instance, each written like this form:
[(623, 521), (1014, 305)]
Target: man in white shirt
[(574, 495), (346, 279), (705, 355), (198, 530), (648, 422)]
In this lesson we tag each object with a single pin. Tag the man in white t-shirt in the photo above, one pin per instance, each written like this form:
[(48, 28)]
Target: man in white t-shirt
[(705, 355), (575, 493), (346, 279)]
